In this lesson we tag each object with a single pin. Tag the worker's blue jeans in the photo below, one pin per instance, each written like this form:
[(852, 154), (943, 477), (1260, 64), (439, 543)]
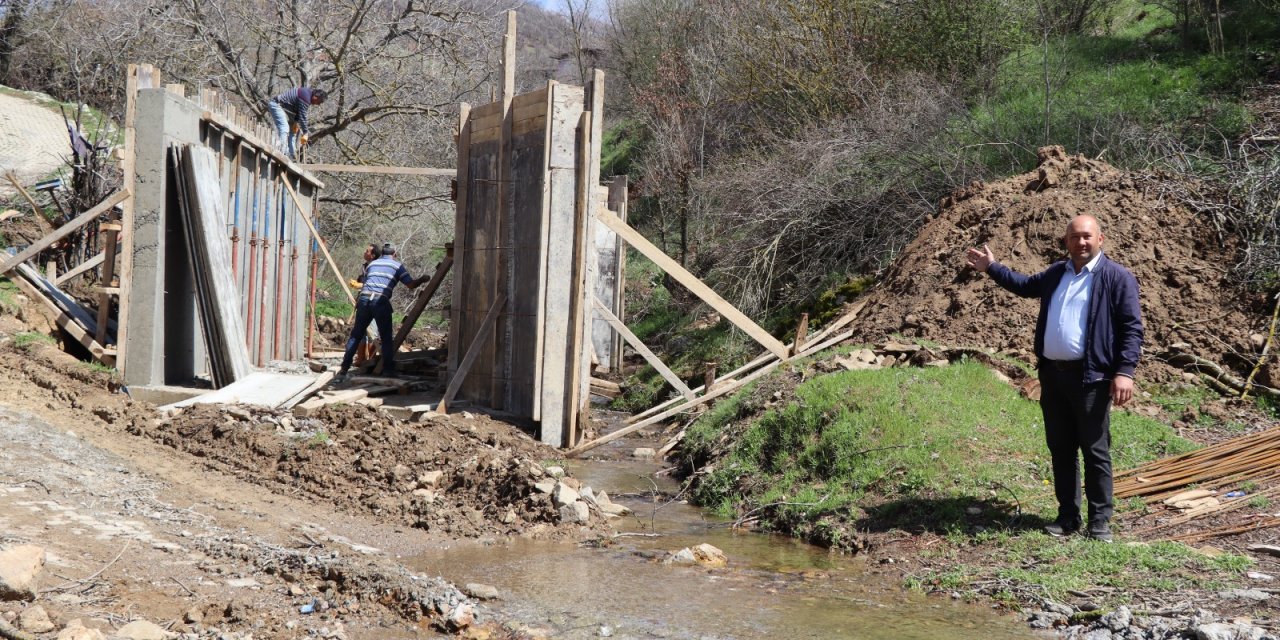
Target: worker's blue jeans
[(281, 120), (376, 310)]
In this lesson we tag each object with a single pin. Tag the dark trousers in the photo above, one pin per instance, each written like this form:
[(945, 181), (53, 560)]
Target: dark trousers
[(377, 310), (1077, 420)]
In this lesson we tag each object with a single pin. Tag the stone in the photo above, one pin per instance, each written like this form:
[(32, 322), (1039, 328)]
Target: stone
[(1245, 594), (1058, 608), (35, 620), (1228, 631), (20, 568), (576, 513), (545, 486), (865, 356), (481, 591), (588, 495), (682, 557), (710, 556), (614, 509), (1098, 634), (572, 483), (1257, 341), (460, 617), (555, 472), (938, 364), (75, 630), (605, 631), (430, 479), (242, 583), (1118, 620), (602, 498), (196, 616), (563, 495), (509, 517), (1045, 620), (143, 630)]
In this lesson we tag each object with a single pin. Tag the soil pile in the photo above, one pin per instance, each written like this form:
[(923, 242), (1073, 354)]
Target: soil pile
[(1188, 298), (462, 475)]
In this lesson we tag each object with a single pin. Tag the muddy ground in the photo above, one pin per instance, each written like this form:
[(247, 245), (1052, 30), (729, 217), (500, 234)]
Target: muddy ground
[(230, 520)]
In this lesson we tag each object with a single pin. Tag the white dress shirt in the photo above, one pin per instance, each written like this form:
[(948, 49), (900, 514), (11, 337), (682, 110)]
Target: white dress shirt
[(1068, 313)]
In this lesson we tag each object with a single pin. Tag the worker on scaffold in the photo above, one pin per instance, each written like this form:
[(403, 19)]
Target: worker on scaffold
[(290, 110)]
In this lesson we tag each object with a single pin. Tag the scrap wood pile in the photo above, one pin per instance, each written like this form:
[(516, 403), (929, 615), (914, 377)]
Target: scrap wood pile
[(1207, 481), (804, 346)]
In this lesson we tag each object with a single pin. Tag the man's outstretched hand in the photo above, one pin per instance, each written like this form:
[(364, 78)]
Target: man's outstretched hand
[(980, 260)]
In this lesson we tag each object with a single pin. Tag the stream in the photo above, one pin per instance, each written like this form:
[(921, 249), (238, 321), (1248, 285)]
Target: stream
[(774, 587)]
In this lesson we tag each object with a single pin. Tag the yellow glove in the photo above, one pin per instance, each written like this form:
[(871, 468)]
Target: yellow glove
[(302, 139), (355, 284)]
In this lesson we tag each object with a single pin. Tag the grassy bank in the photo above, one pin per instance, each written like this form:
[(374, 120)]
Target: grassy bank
[(955, 452)]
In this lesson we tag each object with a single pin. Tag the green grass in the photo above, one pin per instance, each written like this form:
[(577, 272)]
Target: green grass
[(1037, 564), (28, 339), (98, 367), (909, 448), (8, 296), (1138, 76)]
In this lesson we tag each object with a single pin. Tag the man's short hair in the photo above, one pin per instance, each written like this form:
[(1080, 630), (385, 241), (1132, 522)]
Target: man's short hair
[(388, 249), (320, 94)]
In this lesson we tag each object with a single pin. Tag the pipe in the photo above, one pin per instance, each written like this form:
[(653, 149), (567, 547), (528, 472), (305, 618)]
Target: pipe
[(311, 311), (266, 248)]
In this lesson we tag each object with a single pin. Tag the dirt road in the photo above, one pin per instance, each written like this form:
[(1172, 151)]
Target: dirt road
[(134, 529)]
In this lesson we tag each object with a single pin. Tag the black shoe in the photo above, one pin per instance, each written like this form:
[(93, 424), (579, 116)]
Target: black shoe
[(1100, 531), (1061, 529)]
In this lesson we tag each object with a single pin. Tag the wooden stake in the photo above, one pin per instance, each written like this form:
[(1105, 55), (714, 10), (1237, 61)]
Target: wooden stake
[(649, 356), (802, 331), (63, 231), (486, 327), (320, 241)]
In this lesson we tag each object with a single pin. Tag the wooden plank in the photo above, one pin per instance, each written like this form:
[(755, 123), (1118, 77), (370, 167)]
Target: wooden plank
[(313, 406), (397, 171), (504, 283), (260, 389), (63, 231), (135, 80), (653, 360), (690, 281), (108, 274), (802, 332), (323, 379), (420, 303), (223, 327), (62, 319), (712, 395), (324, 248), (544, 248), (461, 245), (266, 147), (764, 358), (45, 225), (473, 351), (537, 100), (618, 199), (81, 268)]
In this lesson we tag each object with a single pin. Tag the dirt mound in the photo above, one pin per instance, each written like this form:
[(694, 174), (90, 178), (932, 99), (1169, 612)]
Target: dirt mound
[(1187, 295), (461, 475)]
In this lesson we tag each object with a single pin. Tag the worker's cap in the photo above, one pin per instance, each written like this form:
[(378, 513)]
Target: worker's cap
[(388, 249)]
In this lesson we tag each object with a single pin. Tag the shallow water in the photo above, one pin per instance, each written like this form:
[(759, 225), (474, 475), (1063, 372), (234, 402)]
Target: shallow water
[(774, 586)]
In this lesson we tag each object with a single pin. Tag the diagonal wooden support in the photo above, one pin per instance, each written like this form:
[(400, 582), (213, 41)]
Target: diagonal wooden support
[(700, 289), (302, 213), (473, 351), (424, 297), (640, 348), (63, 231), (39, 214), (703, 399)]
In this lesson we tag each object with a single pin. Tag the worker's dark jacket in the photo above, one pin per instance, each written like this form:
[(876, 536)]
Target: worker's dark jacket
[(296, 103), (1113, 330)]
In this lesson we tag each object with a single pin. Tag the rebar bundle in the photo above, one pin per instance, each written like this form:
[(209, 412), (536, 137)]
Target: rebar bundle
[(1255, 457)]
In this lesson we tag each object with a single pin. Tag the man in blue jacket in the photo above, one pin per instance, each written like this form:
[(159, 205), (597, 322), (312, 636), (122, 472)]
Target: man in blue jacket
[(1088, 339), (374, 305)]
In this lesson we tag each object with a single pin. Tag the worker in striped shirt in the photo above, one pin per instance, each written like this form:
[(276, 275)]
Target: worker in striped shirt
[(374, 305), (291, 108)]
